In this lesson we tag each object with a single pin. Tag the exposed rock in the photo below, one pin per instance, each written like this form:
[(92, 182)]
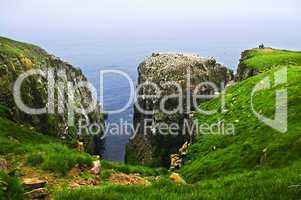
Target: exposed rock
[(40, 193), (177, 178), (125, 179), (80, 146), (151, 146), (87, 182), (33, 183), (96, 167), (184, 149), (243, 71), (74, 172), (3, 164), (177, 160)]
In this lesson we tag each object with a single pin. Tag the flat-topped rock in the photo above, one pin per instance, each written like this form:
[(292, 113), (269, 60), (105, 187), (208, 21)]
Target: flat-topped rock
[(33, 183), (40, 193)]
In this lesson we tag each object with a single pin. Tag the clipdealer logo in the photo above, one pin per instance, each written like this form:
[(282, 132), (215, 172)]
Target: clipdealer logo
[(279, 123)]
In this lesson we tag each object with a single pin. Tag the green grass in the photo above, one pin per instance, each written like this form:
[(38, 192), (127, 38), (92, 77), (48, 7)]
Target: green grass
[(39, 150), (254, 145), (14, 49), (108, 166), (13, 137), (57, 158), (271, 184), (265, 59)]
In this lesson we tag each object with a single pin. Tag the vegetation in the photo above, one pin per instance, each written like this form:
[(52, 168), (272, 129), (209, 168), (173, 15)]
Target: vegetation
[(58, 158), (254, 145), (10, 187), (265, 59), (271, 184), (109, 167), (40, 150)]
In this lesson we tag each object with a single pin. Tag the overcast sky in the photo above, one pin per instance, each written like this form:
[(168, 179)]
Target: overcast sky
[(129, 27), (101, 15)]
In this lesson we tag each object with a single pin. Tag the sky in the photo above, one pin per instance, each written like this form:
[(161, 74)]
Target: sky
[(117, 25), (108, 16)]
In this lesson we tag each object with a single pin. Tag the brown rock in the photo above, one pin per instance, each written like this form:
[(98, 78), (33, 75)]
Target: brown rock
[(184, 149), (40, 193), (96, 167), (33, 183), (80, 146), (175, 161), (75, 171), (177, 178), (125, 179), (163, 69)]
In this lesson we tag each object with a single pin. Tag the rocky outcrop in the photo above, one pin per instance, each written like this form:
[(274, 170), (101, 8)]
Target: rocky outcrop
[(95, 170), (17, 58), (33, 183), (36, 188), (152, 145), (244, 71), (177, 159), (40, 193)]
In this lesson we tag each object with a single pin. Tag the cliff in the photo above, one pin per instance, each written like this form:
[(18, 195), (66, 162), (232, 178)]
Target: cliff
[(258, 60), (17, 58), (151, 146)]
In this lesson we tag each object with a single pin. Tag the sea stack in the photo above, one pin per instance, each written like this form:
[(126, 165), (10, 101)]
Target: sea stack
[(188, 71)]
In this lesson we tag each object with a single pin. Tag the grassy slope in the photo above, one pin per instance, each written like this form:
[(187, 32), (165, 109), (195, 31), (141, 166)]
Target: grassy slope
[(254, 145), (265, 59), (18, 142), (38, 155), (14, 49), (265, 184)]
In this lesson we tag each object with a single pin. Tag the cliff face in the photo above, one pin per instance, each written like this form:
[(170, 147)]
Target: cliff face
[(150, 146), (243, 70), (17, 58)]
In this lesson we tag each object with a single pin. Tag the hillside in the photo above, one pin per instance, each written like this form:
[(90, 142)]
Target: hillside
[(38, 91), (30, 155), (255, 146)]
